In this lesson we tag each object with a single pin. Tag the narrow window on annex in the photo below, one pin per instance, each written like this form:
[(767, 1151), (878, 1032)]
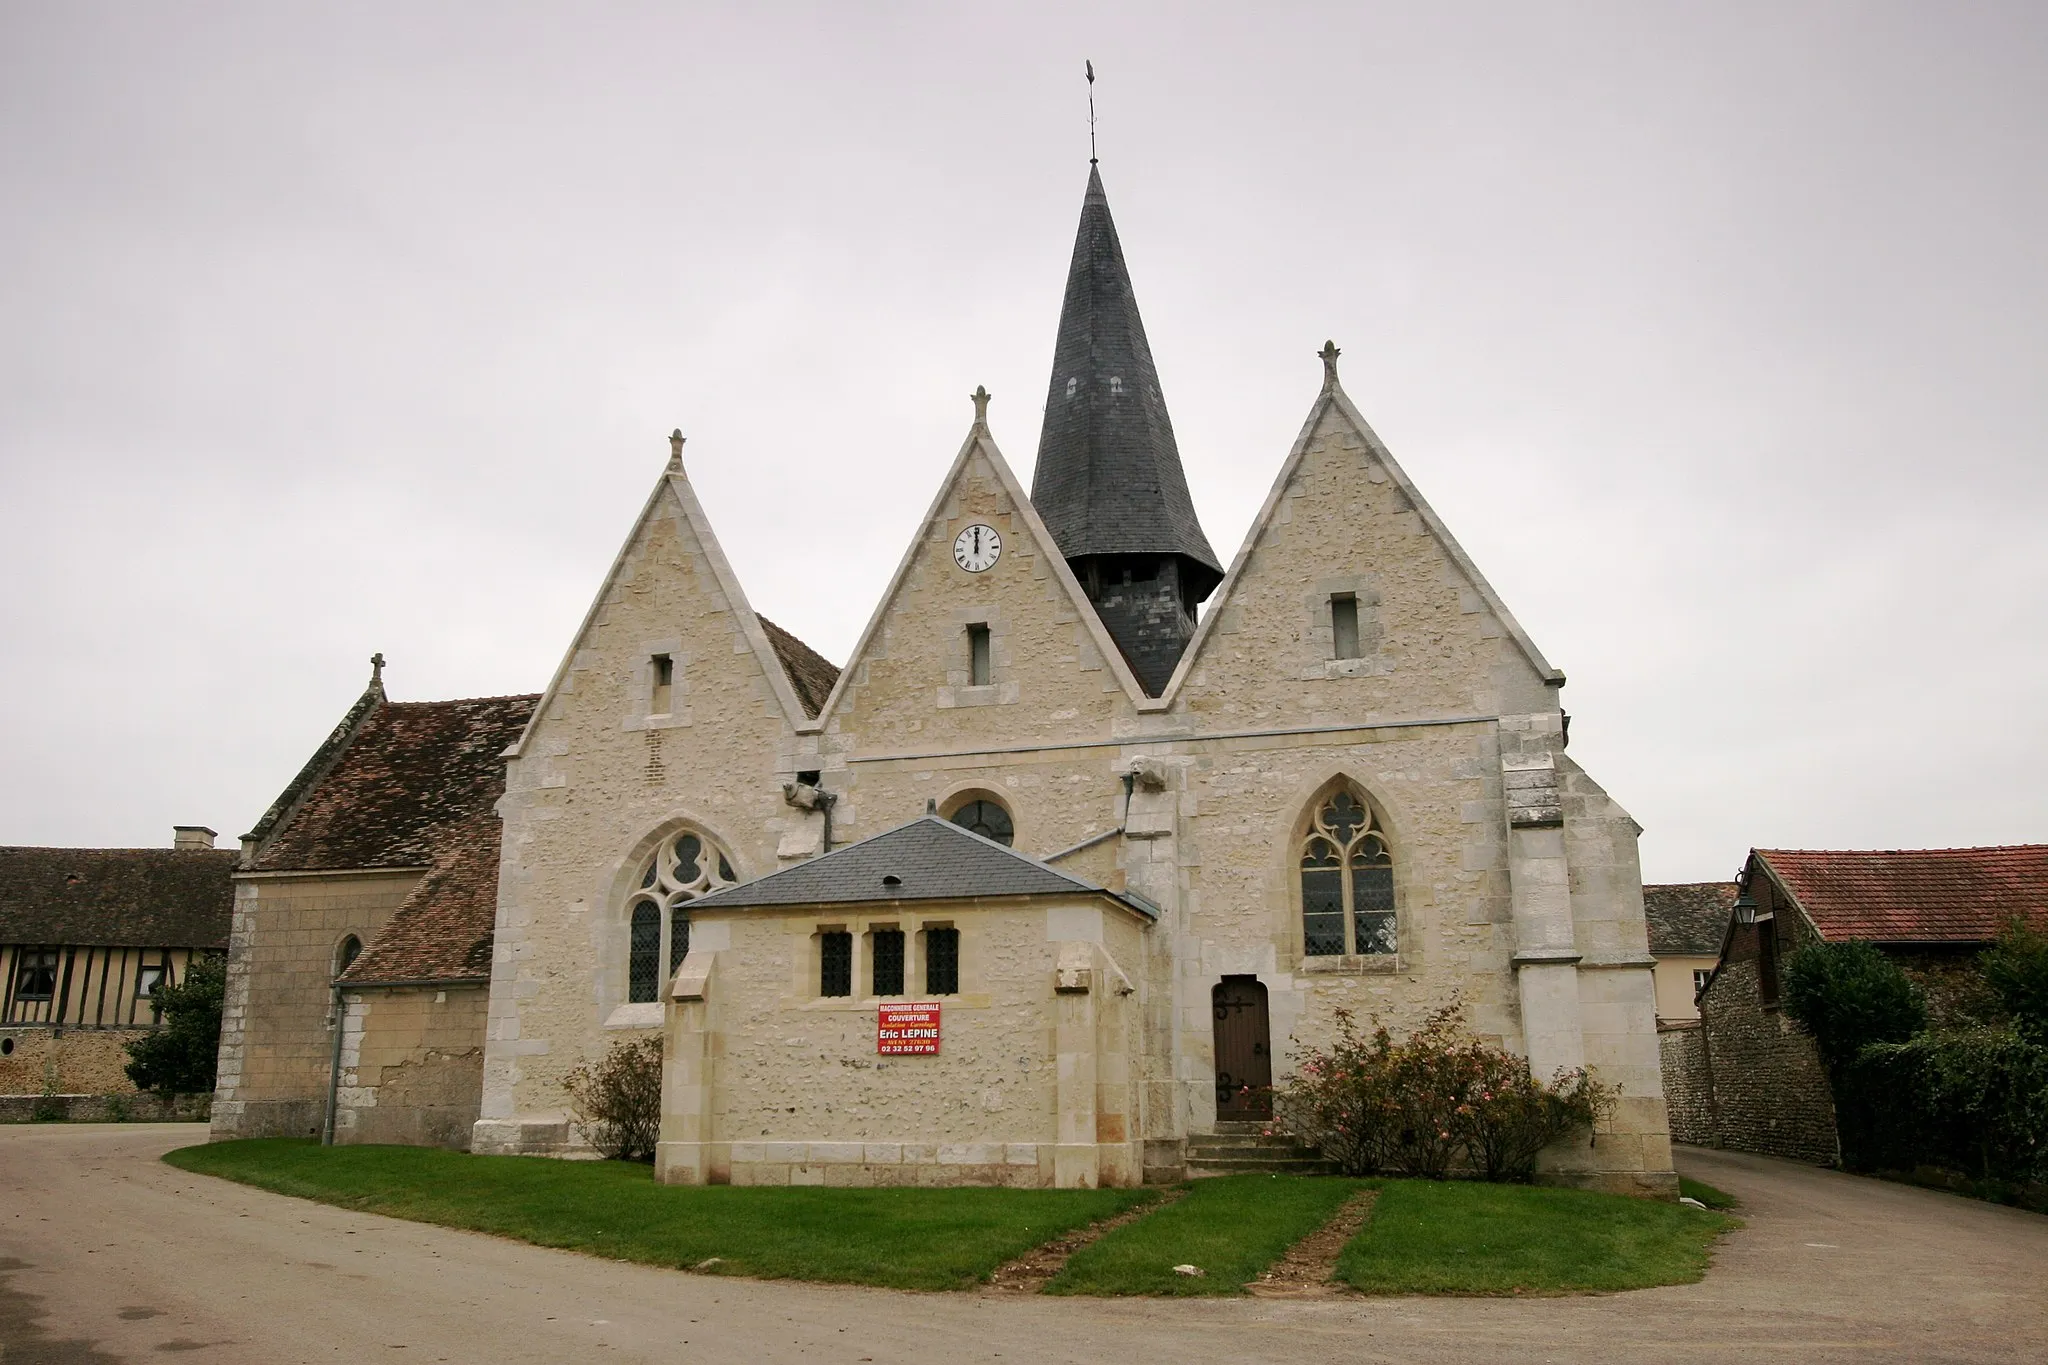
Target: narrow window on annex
[(887, 945), (835, 962), (942, 962)]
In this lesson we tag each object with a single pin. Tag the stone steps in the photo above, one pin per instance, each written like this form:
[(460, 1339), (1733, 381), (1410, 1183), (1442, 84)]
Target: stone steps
[(1239, 1147)]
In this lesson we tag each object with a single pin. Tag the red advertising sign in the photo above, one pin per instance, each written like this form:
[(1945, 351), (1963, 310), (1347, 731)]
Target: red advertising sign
[(907, 1030)]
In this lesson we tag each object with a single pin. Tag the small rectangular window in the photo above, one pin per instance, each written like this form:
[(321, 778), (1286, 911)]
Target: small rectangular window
[(148, 979), (835, 963), (942, 962), (977, 656), (1344, 625), (664, 685), (1767, 961), (887, 945), (36, 978), (1699, 981)]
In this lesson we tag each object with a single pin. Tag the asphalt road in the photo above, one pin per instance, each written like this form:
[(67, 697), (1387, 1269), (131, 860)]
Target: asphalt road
[(106, 1254)]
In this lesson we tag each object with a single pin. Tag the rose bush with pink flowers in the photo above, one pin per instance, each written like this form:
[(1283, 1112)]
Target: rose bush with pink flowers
[(1437, 1101)]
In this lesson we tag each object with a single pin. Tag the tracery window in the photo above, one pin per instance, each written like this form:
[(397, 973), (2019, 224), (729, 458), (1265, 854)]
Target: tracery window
[(685, 867), (988, 819), (1347, 881)]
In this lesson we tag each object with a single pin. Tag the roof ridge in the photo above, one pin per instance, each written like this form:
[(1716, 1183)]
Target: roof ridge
[(1870, 852), (457, 701)]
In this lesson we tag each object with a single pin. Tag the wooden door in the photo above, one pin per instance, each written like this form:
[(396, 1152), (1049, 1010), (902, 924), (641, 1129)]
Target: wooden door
[(1244, 1050)]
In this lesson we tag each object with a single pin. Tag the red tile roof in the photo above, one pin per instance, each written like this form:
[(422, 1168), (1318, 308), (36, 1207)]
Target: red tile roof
[(409, 774), (1936, 895), (810, 673), (442, 931)]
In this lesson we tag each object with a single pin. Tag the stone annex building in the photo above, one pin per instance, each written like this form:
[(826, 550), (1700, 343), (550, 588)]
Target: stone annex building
[(1134, 848)]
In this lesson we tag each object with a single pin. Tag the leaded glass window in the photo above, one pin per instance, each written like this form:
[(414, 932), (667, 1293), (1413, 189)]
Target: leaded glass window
[(888, 950), (988, 819), (835, 962), (942, 962), (1347, 881), (686, 867)]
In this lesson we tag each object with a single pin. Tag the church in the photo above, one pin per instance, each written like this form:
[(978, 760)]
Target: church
[(1091, 833)]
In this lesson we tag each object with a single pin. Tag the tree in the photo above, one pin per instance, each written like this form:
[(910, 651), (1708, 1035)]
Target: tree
[(1848, 996), (180, 1056), (2016, 967)]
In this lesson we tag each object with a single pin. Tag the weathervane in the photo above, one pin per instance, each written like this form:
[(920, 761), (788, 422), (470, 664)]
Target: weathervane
[(1091, 110)]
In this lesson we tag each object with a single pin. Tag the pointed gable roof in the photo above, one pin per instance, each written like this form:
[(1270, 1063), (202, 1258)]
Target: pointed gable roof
[(1334, 402), (1109, 478), (928, 859)]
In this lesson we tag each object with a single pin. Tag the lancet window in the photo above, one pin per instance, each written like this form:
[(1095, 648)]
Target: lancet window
[(684, 868), (1347, 881)]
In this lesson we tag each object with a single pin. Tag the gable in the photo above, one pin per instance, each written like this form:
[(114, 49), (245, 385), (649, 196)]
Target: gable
[(672, 593), (1343, 520), (1053, 671)]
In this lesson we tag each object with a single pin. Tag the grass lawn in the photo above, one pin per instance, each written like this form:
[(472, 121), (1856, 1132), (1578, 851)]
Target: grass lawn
[(1705, 1193), (1460, 1237), (1232, 1226), (900, 1238)]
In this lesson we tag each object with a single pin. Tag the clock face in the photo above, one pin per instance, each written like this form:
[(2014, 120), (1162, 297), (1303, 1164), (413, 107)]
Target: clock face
[(977, 548)]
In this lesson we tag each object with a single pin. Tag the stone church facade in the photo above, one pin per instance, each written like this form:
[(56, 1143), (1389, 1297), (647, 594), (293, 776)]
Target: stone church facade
[(1330, 775)]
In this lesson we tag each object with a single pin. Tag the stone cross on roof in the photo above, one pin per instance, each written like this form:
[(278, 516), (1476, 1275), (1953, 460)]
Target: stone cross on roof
[(675, 449), (981, 395), (1329, 353)]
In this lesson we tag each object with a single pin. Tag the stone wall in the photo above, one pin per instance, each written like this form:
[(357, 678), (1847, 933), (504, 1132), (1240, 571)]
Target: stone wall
[(276, 1047), (71, 1061), (412, 1065), (1688, 1086), (1770, 1093), (1033, 1085), (129, 1107)]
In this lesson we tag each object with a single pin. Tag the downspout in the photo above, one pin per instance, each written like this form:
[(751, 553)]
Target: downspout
[(333, 1071), (1130, 782), (826, 801)]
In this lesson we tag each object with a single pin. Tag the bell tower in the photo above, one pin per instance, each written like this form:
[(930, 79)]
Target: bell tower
[(1109, 483)]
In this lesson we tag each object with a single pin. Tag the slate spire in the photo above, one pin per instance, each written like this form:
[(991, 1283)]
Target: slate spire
[(1109, 483)]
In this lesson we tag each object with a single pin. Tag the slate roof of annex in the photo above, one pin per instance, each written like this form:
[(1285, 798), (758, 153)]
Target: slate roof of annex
[(931, 858), (410, 773), (1935, 895), (1688, 919), (116, 897)]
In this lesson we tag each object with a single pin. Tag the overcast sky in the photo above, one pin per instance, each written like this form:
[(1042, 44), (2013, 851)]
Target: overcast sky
[(1717, 333)]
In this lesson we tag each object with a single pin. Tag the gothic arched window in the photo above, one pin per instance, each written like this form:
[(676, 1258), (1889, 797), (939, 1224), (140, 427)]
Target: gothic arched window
[(988, 819), (686, 866), (346, 952), (1347, 881)]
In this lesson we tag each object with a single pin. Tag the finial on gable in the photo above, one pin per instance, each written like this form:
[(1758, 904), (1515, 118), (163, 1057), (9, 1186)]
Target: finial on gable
[(377, 670), (931, 805), (675, 451), (981, 395), (1329, 353)]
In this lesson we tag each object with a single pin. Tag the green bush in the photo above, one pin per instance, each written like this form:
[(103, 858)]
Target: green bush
[(1848, 996), (618, 1101), (2016, 967), (1422, 1104), (1973, 1101), (180, 1056)]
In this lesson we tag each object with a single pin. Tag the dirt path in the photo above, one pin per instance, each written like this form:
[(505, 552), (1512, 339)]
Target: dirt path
[(127, 1259), (1304, 1272), (1033, 1270)]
